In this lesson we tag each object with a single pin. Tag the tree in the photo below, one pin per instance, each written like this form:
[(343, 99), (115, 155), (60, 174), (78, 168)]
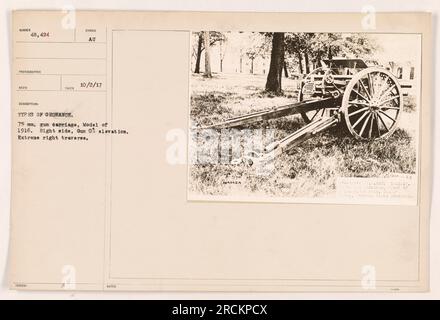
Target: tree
[(207, 73), (330, 45), (307, 61), (286, 71), (300, 65), (257, 45), (222, 53), (199, 52), (325, 46), (214, 37), (358, 45), (251, 55), (298, 44), (241, 60), (273, 83), (311, 48)]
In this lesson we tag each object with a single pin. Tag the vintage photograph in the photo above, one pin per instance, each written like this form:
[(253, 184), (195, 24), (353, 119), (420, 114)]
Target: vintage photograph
[(304, 117)]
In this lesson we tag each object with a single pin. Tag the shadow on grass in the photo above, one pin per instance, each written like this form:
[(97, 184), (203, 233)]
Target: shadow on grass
[(269, 94), (214, 106), (210, 107), (311, 169)]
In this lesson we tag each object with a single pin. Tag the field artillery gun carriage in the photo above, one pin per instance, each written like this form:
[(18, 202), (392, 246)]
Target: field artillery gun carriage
[(367, 100)]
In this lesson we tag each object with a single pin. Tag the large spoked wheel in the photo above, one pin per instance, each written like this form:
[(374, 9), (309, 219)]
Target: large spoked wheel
[(372, 104)]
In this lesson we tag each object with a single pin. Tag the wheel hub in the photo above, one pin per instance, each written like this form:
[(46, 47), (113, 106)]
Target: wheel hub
[(374, 104)]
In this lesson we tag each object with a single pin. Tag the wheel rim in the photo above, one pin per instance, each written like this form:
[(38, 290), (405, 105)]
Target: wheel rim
[(372, 104)]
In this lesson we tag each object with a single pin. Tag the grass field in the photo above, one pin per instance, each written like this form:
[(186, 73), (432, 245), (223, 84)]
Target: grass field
[(308, 170)]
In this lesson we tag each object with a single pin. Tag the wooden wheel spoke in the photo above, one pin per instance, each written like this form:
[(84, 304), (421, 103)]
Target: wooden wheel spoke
[(360, 95), (383, 122), (360, 119), (387, 91), (389, 117), (384, 83), (382, 102), (393, 108), (377, 124), (371, 126), (359, 102), (358, 111), (365, 124), (365, 89), (371, 84), (398, 105)]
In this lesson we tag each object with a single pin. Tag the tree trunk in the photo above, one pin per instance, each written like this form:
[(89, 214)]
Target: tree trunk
[(252, 66), (273, 82), (306, 58), (318, 61), (330, 54), (241, 61), (199, 53), (221, 56), (286, 72), (300, 63), (208, 73)]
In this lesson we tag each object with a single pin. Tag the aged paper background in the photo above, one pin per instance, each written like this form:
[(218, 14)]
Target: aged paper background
[(113, 209)]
